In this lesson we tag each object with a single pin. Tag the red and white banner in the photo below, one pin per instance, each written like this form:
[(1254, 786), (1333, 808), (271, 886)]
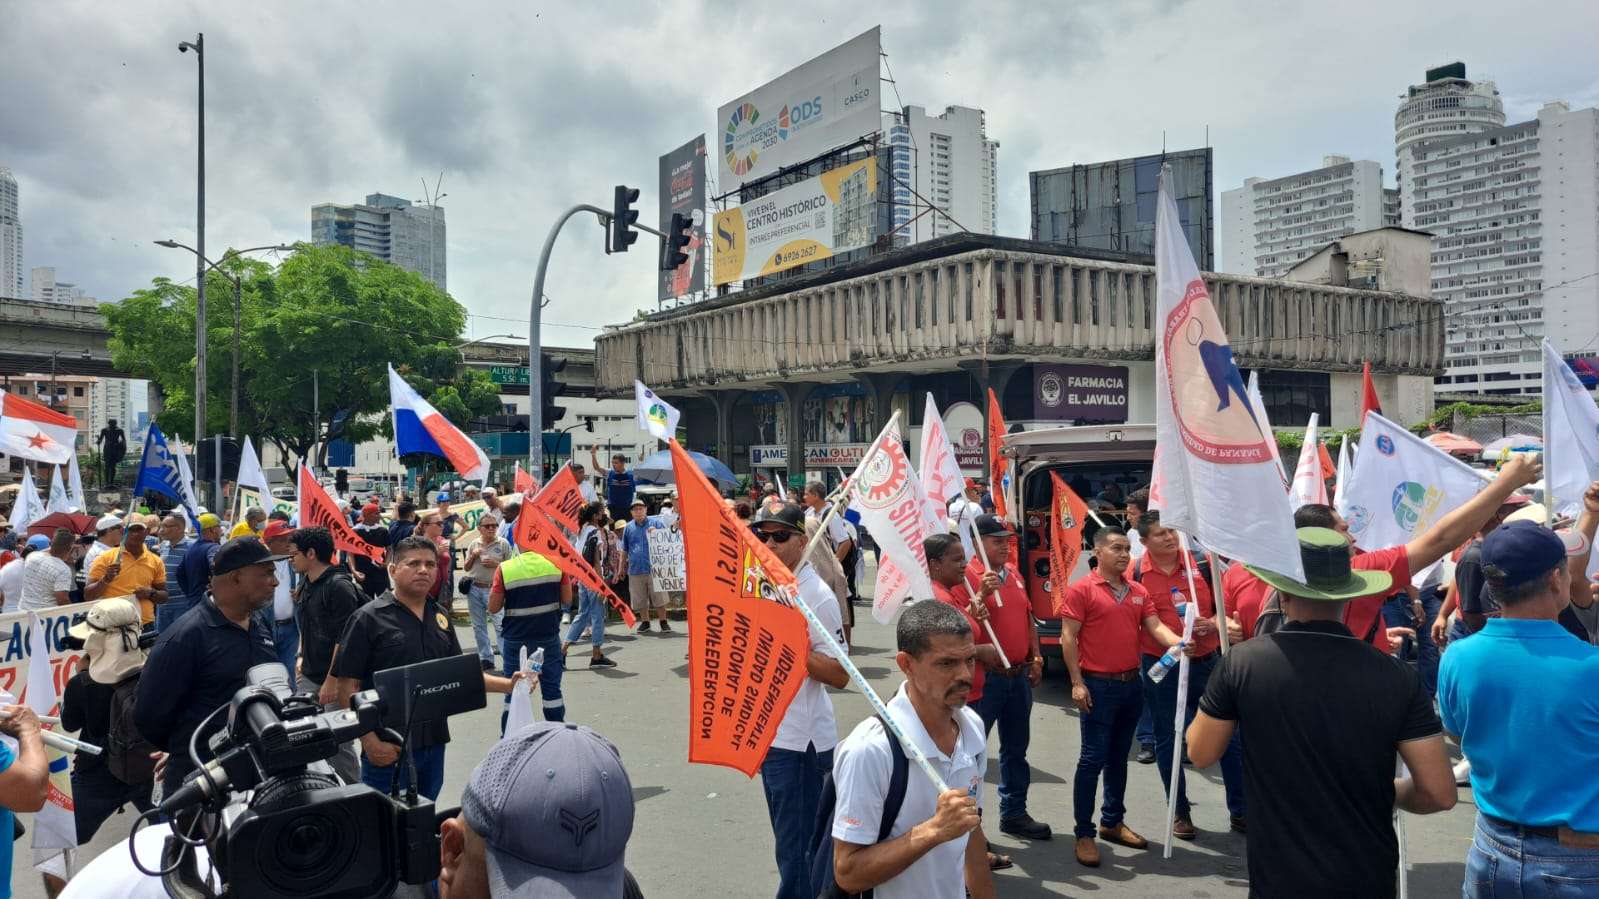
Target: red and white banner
[(317, 509), (1310, 485), (30, 430), (942, 480), (888, 495)]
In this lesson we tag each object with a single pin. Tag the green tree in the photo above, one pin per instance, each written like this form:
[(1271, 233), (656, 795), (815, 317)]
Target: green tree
[(327, 321)]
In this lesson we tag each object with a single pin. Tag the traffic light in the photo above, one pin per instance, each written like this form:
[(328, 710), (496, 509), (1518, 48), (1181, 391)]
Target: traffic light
[(623, 217), (678, 234), (549, 389)]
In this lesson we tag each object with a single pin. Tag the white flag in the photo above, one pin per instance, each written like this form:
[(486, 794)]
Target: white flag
[(251, 476), (1258, 403), (53, 826), (655, 414), (1215, 476), (58, 493), (888, 495), (942, 480), (1343, 475), (75, 487), (1401, 485), (1309, 485), (186, 476), (519, 711), (26, 508), (1570, 434)]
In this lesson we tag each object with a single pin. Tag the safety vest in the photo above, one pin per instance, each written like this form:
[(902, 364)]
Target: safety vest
[(532, 596)]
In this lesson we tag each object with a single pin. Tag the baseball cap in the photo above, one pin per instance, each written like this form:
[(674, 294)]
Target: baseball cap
[(637, 503), (208, 520), (277, 529), (136, 521), (1524, 550), (371, 507), (786, 514), (1516, 500), (38, 541), (241, 552), (993, 526), (106, 523), (554, 807)]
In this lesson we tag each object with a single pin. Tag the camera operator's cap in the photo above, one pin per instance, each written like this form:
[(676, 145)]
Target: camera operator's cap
[(993, 526), (554, 807), (110, 634), (1525, 550), (106, 523), (241, 552), (786, 514)]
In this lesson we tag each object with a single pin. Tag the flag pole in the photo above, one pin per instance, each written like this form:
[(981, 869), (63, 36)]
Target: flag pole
[(1179, 739), (988, 628), (1221, 601)]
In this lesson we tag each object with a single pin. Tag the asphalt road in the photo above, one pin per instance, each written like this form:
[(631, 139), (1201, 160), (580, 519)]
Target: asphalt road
[(703, 831)]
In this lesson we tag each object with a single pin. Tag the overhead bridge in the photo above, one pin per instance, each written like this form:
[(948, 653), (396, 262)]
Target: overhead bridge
[(38, 338)]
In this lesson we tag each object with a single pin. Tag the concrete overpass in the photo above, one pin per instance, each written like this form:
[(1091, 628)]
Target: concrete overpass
[(64, 337)]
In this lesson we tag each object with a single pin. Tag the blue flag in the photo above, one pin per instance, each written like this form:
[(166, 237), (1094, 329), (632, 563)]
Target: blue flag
[(158, 471)]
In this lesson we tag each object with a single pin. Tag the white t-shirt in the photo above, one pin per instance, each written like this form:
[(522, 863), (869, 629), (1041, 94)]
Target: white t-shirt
[(861, 770), (43, 575), (586, 490), (809, 719), (11, 580), (95, 550), (283, 594)]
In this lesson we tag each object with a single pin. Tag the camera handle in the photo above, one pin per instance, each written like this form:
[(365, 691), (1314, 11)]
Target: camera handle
[(182, 874), (406, 759)]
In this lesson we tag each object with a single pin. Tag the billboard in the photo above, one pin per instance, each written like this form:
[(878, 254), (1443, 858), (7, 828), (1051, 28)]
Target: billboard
[(825, 103), (1111, 205), (683, 192), (801, 223), (1079, 392)]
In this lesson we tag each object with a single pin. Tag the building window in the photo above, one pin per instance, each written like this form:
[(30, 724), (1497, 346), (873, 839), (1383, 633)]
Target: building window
[(1291, 396), (77, 391)]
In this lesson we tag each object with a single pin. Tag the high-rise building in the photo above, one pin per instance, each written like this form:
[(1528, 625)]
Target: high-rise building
[(948, 160), (1445, 104), (10, 236), (46, 289), (1111, 205), (390, 228), (1270, 225), (1513, 212)]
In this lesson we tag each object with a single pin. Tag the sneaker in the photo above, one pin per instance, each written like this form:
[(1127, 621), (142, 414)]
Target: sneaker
[(1463, 773), (1145, 756), (1236, 822), (601, 662), (665, 627), (644, 626), (1123, 835), (1183, 828), (1087, 852), (1025, 827), (488, 664)]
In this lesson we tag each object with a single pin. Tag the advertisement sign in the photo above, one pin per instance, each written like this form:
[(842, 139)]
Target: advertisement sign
[(683, 192), (1080, 392), (817, 455), (666, 560), (805, 222), (964, 422), (825, 103)]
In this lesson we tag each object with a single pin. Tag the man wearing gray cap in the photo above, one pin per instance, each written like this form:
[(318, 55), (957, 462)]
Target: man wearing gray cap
[(547, 813)]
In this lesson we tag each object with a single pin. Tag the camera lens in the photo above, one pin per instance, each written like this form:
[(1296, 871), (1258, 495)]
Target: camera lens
[(306, 835)]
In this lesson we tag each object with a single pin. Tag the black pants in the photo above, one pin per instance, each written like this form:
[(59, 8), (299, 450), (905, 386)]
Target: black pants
[(110, 473), (97, 795)]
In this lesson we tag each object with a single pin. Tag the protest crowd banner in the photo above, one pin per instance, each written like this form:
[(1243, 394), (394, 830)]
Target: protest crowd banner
[(666, 560)]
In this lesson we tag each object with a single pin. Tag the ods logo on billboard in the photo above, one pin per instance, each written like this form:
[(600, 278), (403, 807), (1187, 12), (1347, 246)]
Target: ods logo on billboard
[(747, 135)]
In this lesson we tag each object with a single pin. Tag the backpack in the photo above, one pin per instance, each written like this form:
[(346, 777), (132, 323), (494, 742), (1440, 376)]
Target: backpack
[(1272, 618), (127, 753), (822, 833)]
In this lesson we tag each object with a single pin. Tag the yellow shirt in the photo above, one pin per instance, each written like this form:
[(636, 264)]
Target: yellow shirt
[(243, 529), (147, 570)]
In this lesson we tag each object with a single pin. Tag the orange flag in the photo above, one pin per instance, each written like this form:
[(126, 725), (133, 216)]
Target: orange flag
[(1328, 469), (317, 509), (560, 499), (998, 465), (524, 482), (747, 641), (538, 534), (1067, 515)]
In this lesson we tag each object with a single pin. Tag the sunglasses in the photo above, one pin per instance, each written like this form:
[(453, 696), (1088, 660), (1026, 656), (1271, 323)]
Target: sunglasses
[(774, 536), (489, 525)]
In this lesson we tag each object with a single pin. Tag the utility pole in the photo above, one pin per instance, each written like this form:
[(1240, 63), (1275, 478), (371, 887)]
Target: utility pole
[(198, 46)]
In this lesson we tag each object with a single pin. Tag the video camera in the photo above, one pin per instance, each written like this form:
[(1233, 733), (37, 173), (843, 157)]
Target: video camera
[(302, 833)]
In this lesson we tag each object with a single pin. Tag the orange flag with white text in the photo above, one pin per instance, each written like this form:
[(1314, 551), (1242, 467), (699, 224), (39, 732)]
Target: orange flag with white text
[(536, 533), (1067, 514), (561, 499), (747, 641), (998, 465), (317, 509)]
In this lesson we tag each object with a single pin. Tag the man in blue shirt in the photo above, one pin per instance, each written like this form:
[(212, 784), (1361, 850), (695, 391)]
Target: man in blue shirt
[(641, 589), (194, 576), (1520, 695), (175, 547), (619, 485)]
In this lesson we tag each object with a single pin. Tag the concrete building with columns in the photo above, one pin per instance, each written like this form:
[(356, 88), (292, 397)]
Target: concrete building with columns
[(813, 367)]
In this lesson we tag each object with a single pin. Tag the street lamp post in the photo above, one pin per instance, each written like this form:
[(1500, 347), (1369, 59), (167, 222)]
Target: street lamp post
[(198, 46)]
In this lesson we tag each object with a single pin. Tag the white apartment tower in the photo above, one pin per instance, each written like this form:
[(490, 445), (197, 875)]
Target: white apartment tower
[(1515, 214), (10, 236), (948, 160), (390, 228), (1268, 226), (46, 289), (1444, 105)]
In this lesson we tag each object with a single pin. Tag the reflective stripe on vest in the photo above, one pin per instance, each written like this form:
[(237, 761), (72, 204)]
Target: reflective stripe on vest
[(532, 585)]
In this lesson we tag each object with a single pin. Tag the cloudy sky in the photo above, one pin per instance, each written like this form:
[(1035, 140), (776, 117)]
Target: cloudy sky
[(527, 108)]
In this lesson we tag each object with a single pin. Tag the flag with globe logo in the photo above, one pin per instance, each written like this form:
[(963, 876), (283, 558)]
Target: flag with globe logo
[(655, 414)]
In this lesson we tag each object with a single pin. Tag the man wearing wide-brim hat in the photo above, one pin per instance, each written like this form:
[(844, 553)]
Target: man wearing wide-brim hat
[(1322, 713), (110, 635)]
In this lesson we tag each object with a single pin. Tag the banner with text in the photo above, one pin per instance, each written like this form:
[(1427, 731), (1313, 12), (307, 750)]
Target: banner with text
[(805, 222), (16, 654), (666, 559), (683, 193)]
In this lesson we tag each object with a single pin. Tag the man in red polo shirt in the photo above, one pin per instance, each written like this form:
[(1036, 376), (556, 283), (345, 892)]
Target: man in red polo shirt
[(1008, 692), (1249, 594), (1103, 616), (1162, 573)]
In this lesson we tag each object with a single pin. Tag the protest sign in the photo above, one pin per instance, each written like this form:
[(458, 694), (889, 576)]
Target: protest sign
[(666, 560)]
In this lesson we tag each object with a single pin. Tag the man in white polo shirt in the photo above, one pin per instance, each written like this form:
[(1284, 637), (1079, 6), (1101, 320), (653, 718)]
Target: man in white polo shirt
[(934, 849)]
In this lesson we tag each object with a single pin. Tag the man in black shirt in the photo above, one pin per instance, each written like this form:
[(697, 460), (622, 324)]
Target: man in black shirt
[(1322, 714), (372, 577), (328, 597), (200, 661), (110, 635), (402, 627)]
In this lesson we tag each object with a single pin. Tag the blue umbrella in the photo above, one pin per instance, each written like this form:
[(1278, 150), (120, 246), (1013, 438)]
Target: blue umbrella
[(657, 468)]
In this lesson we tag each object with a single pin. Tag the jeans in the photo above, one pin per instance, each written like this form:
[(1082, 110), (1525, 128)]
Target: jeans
[(1008, 702), (549, 678), (346, 763), (1107, 736), (429, 762), (167, 613), (1396, 613), (1506, 862), (477, 604), (793, 784), (286, 639), (97, 795), (1160, 701), (590, 616), (1145, 734)]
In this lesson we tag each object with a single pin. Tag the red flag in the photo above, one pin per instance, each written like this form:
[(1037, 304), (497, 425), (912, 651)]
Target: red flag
[(524, 483), (535, 533), (1368, 394), (30, 430), (317, 509), (747, 642), (1067, 515), (561, 499), (998, 465), (1328, 469)]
